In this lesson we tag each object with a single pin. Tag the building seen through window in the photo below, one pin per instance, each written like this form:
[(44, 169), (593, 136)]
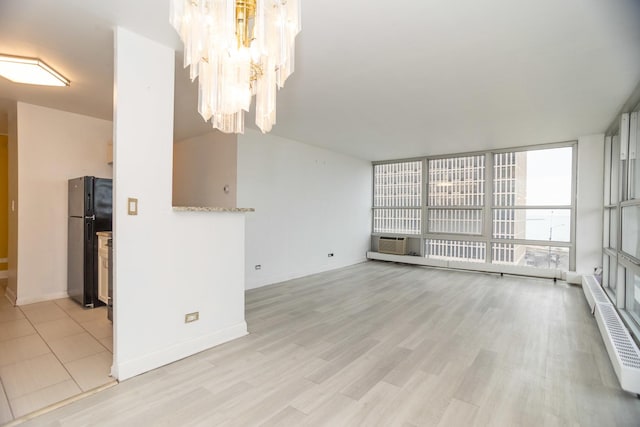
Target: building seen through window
[(527, 204)]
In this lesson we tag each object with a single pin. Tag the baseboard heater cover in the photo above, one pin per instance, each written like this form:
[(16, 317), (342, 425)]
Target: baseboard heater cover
[(622, 350), (593, 292), (392, 245)]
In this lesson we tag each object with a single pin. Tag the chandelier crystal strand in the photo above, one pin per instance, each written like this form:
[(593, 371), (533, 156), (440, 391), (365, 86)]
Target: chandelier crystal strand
[(237, 49)]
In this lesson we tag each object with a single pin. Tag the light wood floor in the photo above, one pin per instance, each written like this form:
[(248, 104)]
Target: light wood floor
[(386, 344)]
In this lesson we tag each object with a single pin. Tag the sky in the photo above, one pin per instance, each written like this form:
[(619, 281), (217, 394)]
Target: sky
[(549, 183), (549, 176)]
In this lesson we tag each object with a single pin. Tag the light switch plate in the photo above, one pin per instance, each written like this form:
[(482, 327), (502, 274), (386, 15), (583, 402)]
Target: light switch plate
[(132, 206)]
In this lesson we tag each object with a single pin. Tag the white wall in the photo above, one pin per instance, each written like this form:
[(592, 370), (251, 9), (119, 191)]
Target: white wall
[(309, 202), (12, 282), (202, 167), (53, 146), (589, 203), (166, 263)]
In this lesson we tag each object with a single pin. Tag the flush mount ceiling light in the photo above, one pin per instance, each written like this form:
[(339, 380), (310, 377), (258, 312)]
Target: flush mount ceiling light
[(237, 49), (31, 71)]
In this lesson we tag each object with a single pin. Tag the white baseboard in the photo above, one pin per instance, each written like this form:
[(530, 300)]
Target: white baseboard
[(10, 295), (473, 266), (283, 277), (42, 298), (573, 278), (122, 370)]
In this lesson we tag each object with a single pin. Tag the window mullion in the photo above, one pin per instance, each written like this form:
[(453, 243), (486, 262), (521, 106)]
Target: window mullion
[(488, 202), (423, 206)]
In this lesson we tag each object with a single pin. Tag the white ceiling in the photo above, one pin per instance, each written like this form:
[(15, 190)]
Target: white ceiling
[(377, 79)]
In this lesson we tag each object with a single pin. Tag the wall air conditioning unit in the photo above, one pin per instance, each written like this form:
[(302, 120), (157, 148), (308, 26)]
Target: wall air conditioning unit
[(392, 245), (622, 350)]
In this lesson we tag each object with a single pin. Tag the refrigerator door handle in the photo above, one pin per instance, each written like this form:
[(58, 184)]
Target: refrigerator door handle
[(93, 217)]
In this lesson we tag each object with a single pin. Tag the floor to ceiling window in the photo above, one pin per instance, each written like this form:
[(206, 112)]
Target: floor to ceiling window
[(621, 220), (533, 207), (502, 207), (398, 198), (455, 208)]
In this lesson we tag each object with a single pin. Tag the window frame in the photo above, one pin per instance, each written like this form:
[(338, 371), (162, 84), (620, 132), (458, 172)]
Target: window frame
[(374, 208), (489, 206), (436, 235), (618, 175)]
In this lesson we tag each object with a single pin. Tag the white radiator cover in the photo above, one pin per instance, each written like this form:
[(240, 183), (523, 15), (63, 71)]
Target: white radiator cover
[(622, 350), (593, 292)]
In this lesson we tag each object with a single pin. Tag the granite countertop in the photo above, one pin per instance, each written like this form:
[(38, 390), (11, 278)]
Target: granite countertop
[(209, 209)]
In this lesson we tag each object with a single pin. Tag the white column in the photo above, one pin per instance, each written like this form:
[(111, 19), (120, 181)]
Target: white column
[(143, 137), (166, 263), (590, 182)]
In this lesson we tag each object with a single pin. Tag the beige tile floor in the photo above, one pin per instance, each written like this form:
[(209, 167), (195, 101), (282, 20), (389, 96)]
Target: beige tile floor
[(50, 351)]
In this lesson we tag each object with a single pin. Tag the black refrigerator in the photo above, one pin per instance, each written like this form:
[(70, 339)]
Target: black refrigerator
[(90, 209)]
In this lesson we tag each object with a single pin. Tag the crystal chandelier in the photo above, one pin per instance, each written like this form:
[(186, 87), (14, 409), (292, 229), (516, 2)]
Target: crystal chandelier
[(237, 49)]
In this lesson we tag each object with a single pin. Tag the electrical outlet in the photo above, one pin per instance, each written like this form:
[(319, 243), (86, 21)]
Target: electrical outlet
[(330, 254), (191, 317), (258, 267)]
